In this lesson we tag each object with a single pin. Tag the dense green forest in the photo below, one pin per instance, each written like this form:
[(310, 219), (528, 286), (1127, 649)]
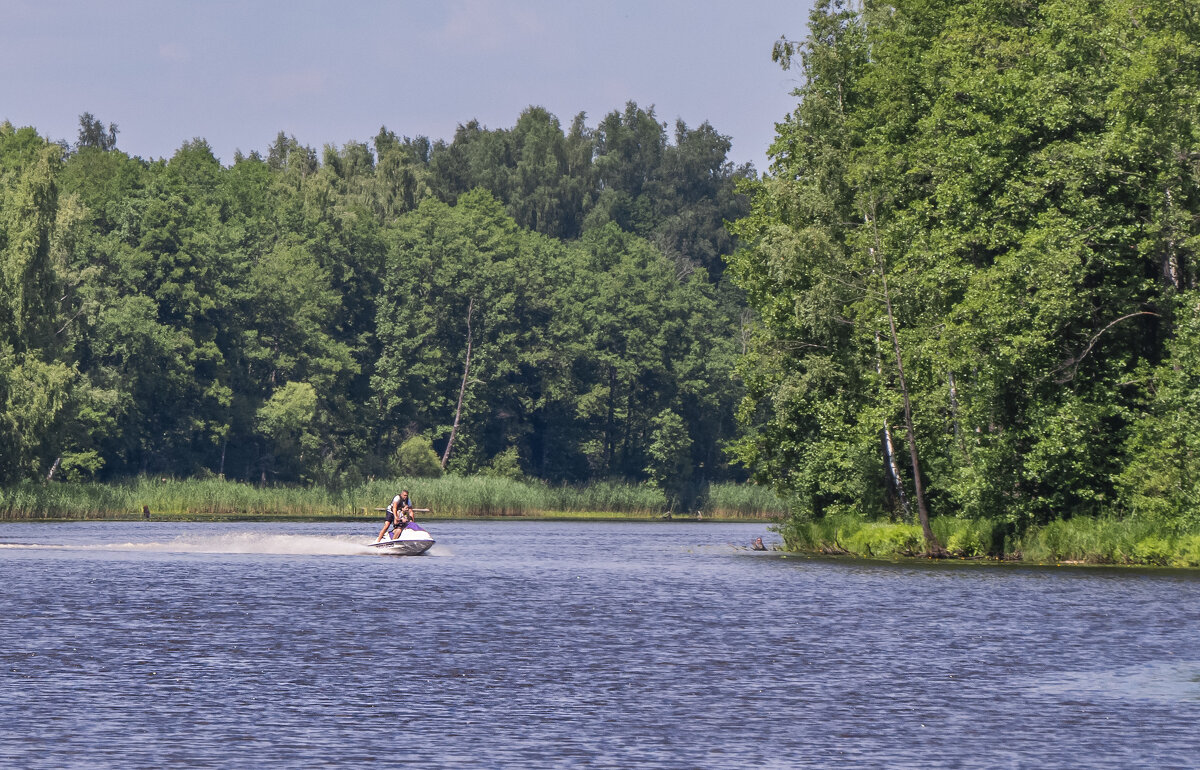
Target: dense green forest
[(975, 261), (964, 295), (553, 301)]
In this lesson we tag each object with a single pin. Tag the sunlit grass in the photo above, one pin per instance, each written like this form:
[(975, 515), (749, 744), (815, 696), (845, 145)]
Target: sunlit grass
[(1073, 541), (743, 500), (449, 496)]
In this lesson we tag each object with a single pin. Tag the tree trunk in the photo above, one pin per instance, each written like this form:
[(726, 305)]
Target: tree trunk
[(889, 448), (1170, 259), (931, 541), (462, 391), (609, 428), (54, 468), (962, 444)]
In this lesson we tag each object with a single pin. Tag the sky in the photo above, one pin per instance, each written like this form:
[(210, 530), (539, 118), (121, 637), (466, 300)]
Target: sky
[(237, 73)]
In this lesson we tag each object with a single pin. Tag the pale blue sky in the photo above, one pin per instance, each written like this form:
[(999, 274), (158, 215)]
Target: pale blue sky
[(236, 73)]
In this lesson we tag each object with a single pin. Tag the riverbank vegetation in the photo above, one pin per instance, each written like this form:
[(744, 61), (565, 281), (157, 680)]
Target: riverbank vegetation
[(1083, 540), (448, 496), (537, 302), (974, 261), (965, 299)]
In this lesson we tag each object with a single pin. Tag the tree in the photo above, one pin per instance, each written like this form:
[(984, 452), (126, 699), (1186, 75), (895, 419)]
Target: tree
[(969, 182), (670, 460), (287, 421), (93, 134), (34, 387)]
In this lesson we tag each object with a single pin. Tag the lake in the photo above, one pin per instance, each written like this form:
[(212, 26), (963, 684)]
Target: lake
[(556, 644)]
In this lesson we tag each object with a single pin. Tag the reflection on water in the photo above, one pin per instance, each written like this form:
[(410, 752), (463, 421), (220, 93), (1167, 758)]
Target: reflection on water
[(527, 644)]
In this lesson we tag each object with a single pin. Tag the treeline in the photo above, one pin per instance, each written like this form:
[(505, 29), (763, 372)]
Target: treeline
[(305, 316), (975, 259)]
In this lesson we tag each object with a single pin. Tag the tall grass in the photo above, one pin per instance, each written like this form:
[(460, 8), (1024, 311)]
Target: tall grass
[(449, 496), (1112, 541), (743, 500)]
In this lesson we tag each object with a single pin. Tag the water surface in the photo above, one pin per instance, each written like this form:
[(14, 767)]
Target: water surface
[(555, 644)]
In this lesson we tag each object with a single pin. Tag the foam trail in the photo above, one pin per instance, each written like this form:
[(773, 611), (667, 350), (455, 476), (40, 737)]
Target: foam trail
[(236, 542)]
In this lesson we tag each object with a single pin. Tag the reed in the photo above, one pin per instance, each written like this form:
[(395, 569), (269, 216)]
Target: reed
[(447, 496), (743, 501), (1111, 541)]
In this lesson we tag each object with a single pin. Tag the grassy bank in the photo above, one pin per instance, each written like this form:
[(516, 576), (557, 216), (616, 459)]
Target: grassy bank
[(1074, 541), (449, 496)]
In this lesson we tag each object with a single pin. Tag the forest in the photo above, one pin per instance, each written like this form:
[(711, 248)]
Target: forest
[(964, 291), (530, 302), (974, 258)]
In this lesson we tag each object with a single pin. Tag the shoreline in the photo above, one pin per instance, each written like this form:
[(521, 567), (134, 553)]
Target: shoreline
[(1081, 542), (991, 562), (252, 516), (778, 551)]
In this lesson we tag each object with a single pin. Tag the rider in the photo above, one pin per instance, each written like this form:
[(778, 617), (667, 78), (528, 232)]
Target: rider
[(399, 514)]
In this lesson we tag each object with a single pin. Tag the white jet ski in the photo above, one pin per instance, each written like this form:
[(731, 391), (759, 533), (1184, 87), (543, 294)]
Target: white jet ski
[(413, 541)]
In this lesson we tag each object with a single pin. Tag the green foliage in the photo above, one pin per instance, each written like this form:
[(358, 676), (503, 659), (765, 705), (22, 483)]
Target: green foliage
[(1162, 480), (506, 465), (1152, 550), (670, 456), (575, 350), (416, 458), (1100, 540), (969, 538), (851, 534), (288, 419), (1083, 540), (81, 466), (293, 317), (1187, 551), (1036, 223), (886, 540)]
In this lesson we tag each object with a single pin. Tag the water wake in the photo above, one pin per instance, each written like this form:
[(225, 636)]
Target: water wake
[(234, 542)]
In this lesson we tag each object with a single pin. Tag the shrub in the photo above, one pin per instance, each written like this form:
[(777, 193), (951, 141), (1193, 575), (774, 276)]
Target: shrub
[(415, 457), (966, 542), (1152, 550), (1187, 552), (506, 465), (886, 539)]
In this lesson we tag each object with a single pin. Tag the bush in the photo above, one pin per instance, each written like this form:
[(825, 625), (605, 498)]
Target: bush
[(1152, 550), (506, 465), (416, 458), (1187, 552), (966, 542), (886, 540)]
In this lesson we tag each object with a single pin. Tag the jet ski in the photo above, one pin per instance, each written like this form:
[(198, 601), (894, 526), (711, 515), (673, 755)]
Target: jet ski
[(412, 541)]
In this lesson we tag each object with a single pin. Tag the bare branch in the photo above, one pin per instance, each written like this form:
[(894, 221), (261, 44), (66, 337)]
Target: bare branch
[(1074, 364)]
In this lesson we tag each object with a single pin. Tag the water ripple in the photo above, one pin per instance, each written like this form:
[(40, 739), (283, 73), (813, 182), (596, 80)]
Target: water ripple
[(573, 644)]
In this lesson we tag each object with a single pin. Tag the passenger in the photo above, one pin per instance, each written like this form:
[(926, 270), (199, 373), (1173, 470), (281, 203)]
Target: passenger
[(399, 514)]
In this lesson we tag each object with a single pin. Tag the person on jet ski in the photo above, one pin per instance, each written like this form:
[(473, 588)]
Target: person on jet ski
[(399, 514)]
